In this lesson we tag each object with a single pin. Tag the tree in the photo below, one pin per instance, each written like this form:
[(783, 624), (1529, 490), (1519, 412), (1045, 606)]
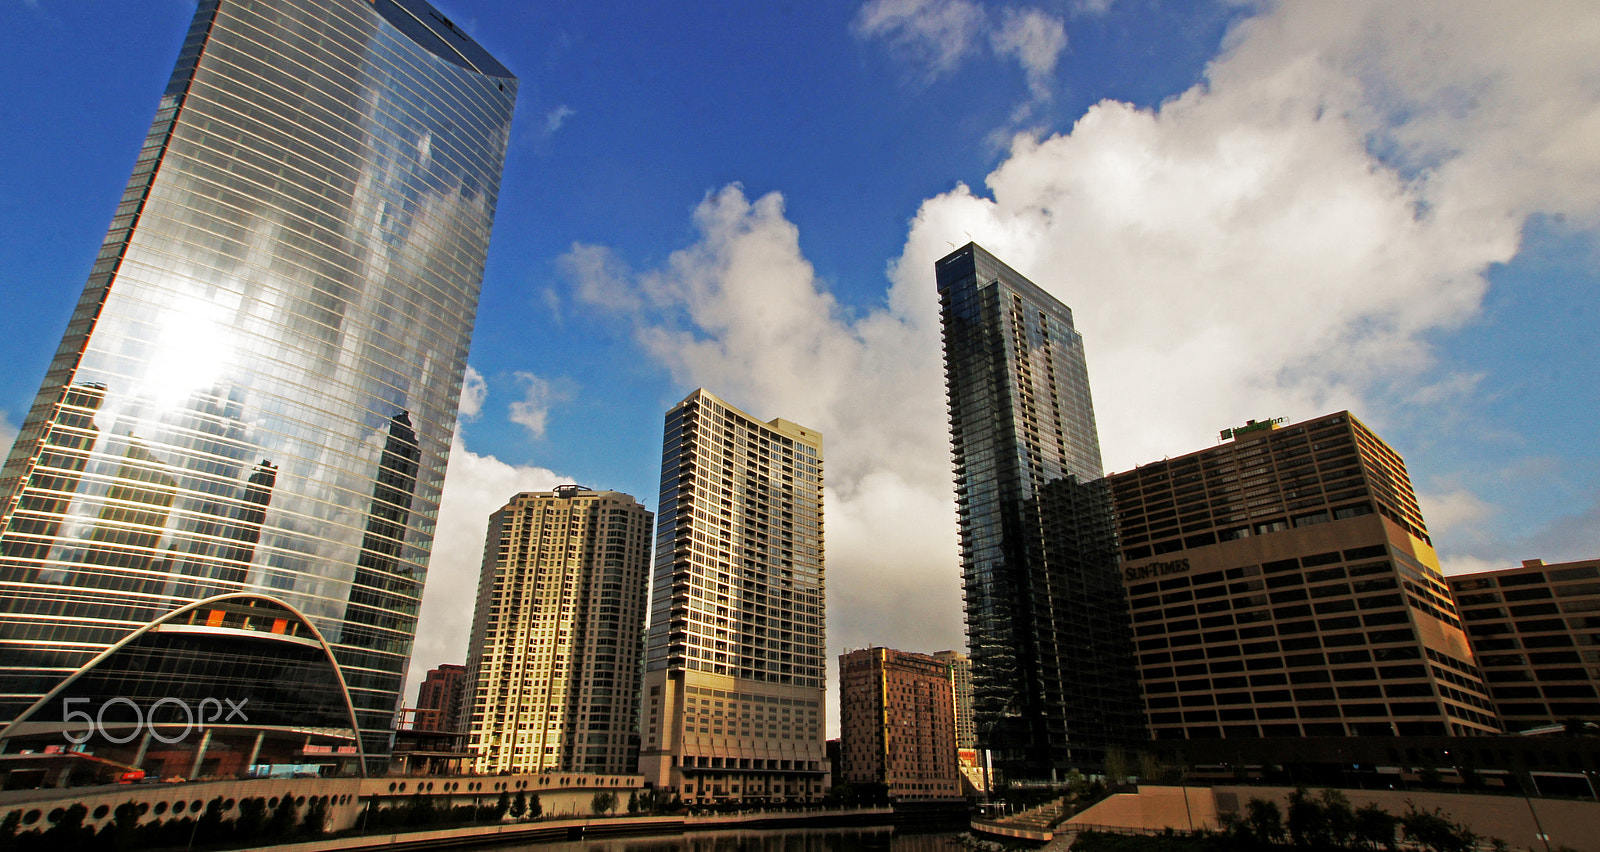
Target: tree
[(1433, 830), (1152, 769), (1117, 769), (1308, 825), (519, 805), (604, 802), (316, 820), (209, 828), (502, 805), (633, 803), (1339, 818), (252, 818), (1076, 783), (535, 807), (1264, 821), (68, 832), (420, 810), (284, 817)]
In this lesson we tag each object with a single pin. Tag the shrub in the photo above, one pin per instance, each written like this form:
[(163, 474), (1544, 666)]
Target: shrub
[(284, 817), (1433, 830)]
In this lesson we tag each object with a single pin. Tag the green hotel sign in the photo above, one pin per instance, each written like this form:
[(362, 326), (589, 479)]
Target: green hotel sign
[(1252, 426)]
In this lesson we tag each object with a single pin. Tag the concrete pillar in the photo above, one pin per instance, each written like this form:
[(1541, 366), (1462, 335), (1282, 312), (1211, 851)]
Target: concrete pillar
[(255, 751), (200, 755), (144, 746)]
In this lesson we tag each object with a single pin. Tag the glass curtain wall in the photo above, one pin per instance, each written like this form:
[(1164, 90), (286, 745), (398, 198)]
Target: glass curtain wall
[(258, 388)]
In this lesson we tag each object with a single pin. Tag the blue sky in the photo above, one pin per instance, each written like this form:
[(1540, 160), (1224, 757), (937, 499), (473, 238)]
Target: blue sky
[(1254, 210)]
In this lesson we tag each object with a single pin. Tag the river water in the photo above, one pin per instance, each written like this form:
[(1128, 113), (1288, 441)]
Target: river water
[(870, 839)]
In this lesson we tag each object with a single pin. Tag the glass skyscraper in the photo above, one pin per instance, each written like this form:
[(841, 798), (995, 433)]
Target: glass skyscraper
[(1052, 669), (253, 402)]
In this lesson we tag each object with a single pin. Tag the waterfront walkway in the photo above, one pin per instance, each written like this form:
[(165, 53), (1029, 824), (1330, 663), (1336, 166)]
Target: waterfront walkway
[(544, 831)]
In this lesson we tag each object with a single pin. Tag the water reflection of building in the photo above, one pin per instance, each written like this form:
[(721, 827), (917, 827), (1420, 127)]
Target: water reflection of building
[(381, 616), (65, 436), (256, 393), (1052, 669)]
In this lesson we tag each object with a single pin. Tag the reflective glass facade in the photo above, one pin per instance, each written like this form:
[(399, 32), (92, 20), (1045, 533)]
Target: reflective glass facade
[(258, 387), (1052, 668), (214, 688)]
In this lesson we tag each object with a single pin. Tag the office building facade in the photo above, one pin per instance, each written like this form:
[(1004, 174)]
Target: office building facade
[(1535, 631), (1282, 584), (558, 632), (255, 396), (734, 678), (897, 724), (1052, 675)]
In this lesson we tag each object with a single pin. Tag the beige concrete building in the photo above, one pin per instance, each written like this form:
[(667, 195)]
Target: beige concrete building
[(961, 681), (1536, 631), (972, 763), (1282, 584), (897, 723), (734, 661), (556, 636)]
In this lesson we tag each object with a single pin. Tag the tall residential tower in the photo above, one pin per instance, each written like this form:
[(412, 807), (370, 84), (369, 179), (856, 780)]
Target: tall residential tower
[(733, 698), (253, 403), (553, 667), (1052, 674)]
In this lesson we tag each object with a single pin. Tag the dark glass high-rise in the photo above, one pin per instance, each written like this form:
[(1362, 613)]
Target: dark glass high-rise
[(1052, 670), (256, 394)]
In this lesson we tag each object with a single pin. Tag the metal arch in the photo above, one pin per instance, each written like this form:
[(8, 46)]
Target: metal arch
[(338, 672)]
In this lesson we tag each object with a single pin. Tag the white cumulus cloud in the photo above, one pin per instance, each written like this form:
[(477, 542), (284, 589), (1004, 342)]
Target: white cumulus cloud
[(474, 390), (935, 37), (8, 431), (748, 320), (1453, 513), (555, 118), (532, 412), (1036, 40), (1277, 241)]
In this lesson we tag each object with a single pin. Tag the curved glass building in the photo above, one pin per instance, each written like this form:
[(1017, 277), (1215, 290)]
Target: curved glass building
[(257, 391)]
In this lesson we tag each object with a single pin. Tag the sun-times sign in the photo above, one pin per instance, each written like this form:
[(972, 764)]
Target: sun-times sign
[(1155, 569)]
